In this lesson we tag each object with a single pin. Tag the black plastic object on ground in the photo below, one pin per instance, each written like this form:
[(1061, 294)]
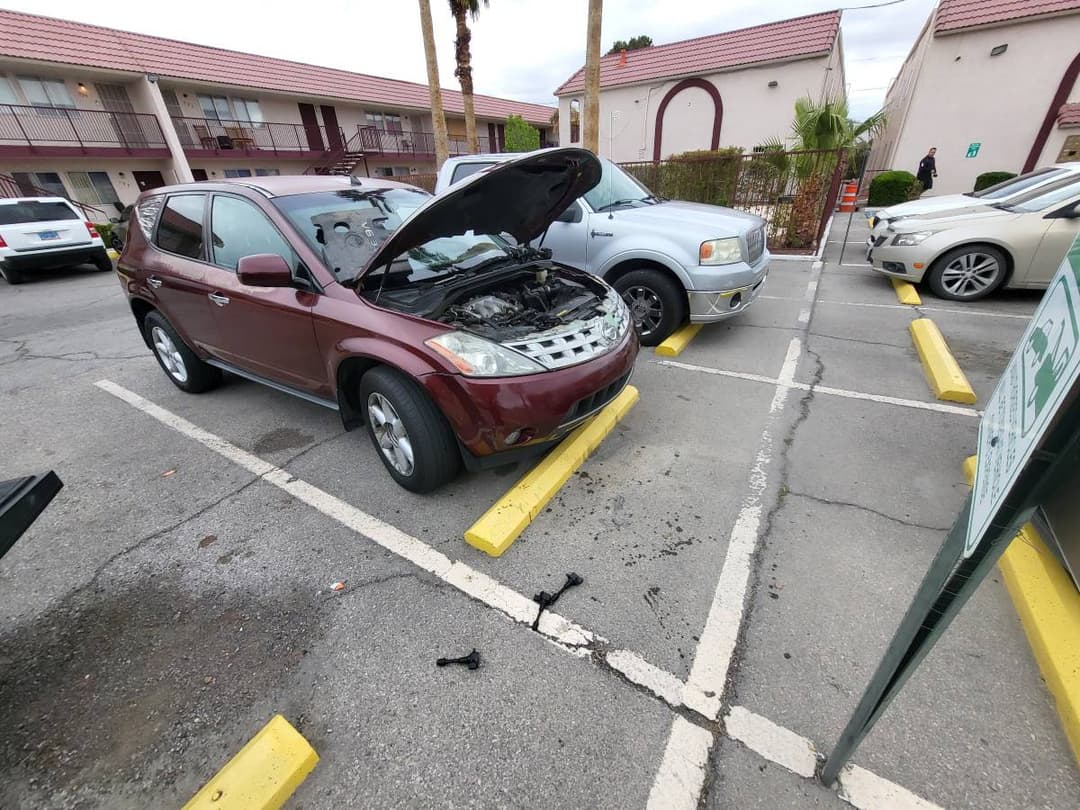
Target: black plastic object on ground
[(472, 660), (546, 600), (21, 501)]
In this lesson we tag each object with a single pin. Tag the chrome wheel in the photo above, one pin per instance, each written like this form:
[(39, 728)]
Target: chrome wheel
[(646, 309), (390, 433), (970, 274), (168, 354)]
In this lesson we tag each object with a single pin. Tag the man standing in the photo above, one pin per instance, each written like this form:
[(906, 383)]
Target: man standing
[(927, 169)]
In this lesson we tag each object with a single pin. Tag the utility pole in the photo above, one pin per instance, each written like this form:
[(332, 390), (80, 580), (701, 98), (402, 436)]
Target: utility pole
[(591, 125)]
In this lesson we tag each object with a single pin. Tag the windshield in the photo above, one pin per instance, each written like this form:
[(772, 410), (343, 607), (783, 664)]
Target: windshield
[(616, 188), (1045, 197), (1016, 185), (348, 227)]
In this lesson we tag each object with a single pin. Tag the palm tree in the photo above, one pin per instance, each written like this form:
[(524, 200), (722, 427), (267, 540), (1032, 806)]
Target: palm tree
[(591, 132), (827, 125), (459, 8), (438, 119)]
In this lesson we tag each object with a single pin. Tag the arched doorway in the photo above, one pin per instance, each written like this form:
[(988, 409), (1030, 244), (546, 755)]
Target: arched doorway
[(718, 112), (1060, 97)]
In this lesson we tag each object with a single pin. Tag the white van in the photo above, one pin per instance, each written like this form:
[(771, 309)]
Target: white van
[(38, 233)]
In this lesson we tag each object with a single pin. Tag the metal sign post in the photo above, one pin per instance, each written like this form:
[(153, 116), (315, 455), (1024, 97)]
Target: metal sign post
[(1029, 439)]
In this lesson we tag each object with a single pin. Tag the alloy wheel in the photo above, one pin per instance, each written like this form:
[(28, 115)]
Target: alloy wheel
[(646, 308), (169, 354), (970, 274), (390, 433)]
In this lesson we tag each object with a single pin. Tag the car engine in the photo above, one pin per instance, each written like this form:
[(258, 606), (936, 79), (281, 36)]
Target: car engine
[(519, 308)]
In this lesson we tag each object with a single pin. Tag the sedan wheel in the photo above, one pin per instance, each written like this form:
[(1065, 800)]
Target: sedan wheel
[(169, 355), (968, 273), (390, 434)]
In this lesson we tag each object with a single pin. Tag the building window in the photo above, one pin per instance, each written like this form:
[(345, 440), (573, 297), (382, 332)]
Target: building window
[(32, 184), (215, 108), (93, 188), (238, 172), (384, 171), (220, 108), (388, 122), (46, 92), (248, 110), (7, 92), (401, 171), (267, 172)]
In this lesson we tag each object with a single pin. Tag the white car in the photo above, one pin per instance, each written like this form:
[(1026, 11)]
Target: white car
[(38, 233), (1004, 192)]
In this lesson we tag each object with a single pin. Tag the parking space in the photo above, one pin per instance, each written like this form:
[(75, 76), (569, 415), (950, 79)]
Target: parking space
[(753, 528)]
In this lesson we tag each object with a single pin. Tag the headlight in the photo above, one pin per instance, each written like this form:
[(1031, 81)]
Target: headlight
[(618, 313), (720, 251), (475, 357), (911, 239)]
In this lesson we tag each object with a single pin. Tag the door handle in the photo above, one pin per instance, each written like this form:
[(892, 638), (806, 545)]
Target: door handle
[(595, 234), (154, 282), (218, 299)]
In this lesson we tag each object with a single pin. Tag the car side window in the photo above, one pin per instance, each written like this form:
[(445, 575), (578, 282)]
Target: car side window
[(240, 229), (463, 170), (180, 228)]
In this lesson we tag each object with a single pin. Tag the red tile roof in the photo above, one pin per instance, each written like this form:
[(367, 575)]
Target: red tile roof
[(953, 15), (786, 39), (29, 36), (1069, 116)]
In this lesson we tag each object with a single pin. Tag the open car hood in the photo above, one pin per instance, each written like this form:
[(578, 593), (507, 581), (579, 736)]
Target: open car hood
[(521, 197)]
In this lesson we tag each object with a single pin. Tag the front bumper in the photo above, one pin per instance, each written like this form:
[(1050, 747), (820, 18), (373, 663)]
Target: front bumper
[(45, 259), (718, 304), (899, 262), (544, 407)]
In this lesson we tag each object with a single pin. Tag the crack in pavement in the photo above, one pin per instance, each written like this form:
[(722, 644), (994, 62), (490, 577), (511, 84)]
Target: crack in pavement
[(860, 507), (858, 340)]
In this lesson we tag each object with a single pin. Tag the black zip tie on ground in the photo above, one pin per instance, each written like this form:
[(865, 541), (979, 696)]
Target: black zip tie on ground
[(472, 660), (546, 600)]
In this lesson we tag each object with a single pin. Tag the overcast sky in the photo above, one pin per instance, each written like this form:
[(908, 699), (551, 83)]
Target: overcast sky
[(522, 49)]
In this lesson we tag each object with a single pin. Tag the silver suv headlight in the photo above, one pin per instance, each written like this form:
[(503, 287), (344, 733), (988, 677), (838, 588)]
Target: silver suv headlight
[(911, 239), (720, 251), (474, 356)]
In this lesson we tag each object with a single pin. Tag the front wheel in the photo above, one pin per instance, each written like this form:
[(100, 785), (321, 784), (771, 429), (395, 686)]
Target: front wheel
[(179, 362), (657, 304), (967, 273), (411, 435)]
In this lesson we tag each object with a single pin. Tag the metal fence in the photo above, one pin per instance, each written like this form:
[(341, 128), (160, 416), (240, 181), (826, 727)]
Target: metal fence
[(792, 191), (270, 136), (64, 126)]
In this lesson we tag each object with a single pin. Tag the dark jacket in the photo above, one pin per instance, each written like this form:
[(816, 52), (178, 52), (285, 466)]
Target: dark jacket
[(927, 172)]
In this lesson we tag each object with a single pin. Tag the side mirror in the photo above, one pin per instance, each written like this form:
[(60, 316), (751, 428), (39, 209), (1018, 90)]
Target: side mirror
[(1068, 212), (264, 270), (571, 214), (114, 220)]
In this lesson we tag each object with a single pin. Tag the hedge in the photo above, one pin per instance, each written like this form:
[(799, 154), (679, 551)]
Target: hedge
[(987, 179), (891, 188)]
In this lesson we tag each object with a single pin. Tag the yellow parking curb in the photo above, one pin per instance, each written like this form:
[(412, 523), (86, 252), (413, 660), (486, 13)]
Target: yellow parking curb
[(113, 254), (678, 340), (1049, 609), (905, 292), (500, 525), (942, 371), (263, 774)]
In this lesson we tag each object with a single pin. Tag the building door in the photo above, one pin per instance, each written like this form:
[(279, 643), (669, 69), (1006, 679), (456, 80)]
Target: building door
[(311, 127), (199, 174), (148, 180), (114, 98), (333, 131)]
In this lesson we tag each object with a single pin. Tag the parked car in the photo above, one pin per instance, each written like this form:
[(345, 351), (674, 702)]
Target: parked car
[(40, 233), (428, 319), (670, 260), (1003, 192), (966, 254), (120, 225)]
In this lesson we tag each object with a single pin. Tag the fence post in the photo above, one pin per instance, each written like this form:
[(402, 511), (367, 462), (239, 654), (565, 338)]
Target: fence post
[(78, 137), (830, 199), (18, 120)]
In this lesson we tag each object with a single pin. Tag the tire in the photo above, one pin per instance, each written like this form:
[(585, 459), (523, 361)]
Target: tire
[(410, 435), (103, 262), (10, 275), (968, 273), (116, 243), (657, 304), (180, 364)]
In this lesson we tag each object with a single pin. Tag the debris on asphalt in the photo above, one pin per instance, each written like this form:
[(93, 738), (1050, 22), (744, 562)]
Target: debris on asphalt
[(546, 600), (472, 660), (338, 586), (167, 473), (209, 540)]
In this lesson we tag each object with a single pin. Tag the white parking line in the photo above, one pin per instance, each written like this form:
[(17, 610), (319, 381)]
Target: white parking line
[(679, 782), (982, 313), (827, 390)]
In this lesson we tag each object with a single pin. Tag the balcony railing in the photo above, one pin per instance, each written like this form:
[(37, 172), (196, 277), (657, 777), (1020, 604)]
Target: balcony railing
[(80, 129), (207, 134), (381, 141)]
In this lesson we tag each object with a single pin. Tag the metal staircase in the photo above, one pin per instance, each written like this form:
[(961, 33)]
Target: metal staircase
[(341, 161)]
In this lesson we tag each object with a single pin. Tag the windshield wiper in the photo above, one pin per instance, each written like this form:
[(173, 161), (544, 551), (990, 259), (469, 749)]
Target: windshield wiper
[(654, 198), (618, 202)]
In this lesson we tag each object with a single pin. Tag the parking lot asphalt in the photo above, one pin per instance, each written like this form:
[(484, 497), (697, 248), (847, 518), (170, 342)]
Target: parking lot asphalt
[(170, 601)]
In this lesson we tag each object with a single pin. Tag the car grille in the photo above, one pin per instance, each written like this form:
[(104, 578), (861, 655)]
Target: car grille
[(580, 340), (755, 245), (596, 400)]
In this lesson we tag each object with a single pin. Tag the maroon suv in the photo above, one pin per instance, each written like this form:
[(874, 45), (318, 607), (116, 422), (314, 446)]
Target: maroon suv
[(431, 320)]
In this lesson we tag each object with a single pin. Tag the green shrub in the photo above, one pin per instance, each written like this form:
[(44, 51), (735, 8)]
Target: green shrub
[(987, 179), (891, 188), (105, 230), (521, 136)]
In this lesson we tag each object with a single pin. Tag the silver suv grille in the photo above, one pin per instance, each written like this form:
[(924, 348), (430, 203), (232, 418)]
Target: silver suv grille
[(755, 245), (578, 341)]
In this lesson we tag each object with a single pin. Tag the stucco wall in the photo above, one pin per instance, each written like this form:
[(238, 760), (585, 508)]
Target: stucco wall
[(752, 111), (964, 95)]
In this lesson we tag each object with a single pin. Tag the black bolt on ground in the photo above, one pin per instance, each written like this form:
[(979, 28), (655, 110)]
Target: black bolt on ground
[(546, 600), (472, 660)]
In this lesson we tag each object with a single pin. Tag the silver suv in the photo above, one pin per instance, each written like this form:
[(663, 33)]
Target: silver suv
[(669, 260)]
